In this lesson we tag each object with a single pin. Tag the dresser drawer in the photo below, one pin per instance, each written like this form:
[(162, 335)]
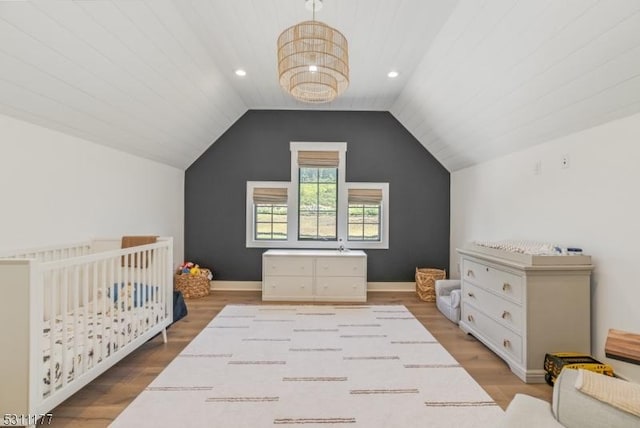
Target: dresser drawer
[(287, 286), (504, 283), (349, 286), (501, 337), (501, 310), (340, 266), (288, 266)]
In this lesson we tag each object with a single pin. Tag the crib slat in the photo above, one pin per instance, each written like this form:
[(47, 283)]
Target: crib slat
[(85, 317), (126, 312), (113, 308), (76, 310), (94, 291), (64, 314), (135, 291), (118, 305), (162, 279), (140, 311), (156, 280), (103, 294), (52, 329)]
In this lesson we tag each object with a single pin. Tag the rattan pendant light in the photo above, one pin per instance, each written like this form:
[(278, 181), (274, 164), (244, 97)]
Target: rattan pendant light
[(313, 60)]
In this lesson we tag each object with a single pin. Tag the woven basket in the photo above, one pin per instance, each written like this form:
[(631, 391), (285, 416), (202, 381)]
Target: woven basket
[(193, 286), (426, 283)]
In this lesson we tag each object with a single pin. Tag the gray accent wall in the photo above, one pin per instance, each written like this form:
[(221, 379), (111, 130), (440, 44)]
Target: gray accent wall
[(256, 148)]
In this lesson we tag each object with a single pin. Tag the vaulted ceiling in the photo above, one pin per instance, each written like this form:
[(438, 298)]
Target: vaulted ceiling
[(478, 78)]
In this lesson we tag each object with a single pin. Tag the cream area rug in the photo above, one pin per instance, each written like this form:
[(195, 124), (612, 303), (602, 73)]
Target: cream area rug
[(351, 366)]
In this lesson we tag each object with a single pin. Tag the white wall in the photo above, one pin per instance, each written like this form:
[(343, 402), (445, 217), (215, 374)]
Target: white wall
[(594, 204), (59, 189)]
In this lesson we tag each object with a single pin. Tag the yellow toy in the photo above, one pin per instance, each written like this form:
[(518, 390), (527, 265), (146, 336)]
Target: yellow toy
[(195, 270)]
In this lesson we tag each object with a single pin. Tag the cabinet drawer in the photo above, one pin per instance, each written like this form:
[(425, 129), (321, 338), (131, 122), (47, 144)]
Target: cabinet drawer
[(501, 337), (340, 266), (349, 286), (504, 283), (287, 286), (288, 266), (501, 310)]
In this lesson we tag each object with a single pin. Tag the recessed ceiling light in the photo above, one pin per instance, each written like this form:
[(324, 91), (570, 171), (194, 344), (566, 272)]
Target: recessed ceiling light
[(313, 68), (240, 72), (392, 74)]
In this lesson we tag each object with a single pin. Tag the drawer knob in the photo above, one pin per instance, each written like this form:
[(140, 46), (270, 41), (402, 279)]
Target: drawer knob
[(506, 314), (470, 294), (470, 318), (506, 286), (470, 273), (506, 343)]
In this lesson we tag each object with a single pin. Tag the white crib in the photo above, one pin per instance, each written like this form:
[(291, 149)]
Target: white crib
[(69, 313)]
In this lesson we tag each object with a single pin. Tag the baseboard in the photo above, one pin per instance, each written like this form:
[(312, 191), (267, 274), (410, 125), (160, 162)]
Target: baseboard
[(236, 285), (391, 286), (257, 286)]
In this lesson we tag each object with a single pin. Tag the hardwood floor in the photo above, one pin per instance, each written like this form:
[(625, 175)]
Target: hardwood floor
[(97, 404)]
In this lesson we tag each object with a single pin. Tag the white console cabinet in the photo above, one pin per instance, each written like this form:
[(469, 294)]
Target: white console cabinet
[(522, 306), (314, 275)]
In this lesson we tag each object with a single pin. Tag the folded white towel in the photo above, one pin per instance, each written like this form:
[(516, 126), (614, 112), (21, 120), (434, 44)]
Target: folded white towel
[(616, 392)]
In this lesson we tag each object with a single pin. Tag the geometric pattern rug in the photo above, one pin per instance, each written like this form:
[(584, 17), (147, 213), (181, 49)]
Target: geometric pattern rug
[(313, 366)]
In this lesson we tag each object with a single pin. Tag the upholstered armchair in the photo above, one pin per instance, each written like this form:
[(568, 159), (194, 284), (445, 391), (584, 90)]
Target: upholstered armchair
[(448, 298)]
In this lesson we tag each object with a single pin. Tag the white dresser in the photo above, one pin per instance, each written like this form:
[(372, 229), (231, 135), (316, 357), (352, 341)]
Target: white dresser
[(522, 306), (314, 275)]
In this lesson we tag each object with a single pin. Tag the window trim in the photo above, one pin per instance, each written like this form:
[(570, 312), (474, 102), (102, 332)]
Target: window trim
[(292, 205), (295, 147)]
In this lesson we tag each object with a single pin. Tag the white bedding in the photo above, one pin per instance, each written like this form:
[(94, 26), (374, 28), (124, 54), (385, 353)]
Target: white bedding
[(105, 334)]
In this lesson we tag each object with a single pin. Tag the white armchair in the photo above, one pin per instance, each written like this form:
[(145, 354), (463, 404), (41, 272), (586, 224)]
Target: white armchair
[(448, 298)]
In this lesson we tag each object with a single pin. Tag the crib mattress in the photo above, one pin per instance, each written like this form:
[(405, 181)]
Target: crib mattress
[(105, 334)]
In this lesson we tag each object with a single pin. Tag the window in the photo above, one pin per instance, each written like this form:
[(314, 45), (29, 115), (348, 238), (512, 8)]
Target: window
[(271, 222), (318, 204), (270, 213), (317, 207), (364, 214), (318, 194)]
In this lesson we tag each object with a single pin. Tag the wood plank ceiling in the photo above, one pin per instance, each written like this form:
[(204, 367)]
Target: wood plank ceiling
[(478, 78)]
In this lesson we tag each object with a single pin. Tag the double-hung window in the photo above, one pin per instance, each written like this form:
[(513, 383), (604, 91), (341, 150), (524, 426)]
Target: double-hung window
[(318, 207)]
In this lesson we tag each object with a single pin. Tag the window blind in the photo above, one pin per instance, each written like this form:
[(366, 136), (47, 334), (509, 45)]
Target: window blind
[(270, 195), (365, 196), (318, 159)]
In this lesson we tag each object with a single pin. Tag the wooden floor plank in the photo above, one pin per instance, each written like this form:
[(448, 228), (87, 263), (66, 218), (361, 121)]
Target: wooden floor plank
[(106, 397)]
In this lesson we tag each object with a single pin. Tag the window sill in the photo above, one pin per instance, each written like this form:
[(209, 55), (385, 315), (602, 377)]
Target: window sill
[(318, 245)]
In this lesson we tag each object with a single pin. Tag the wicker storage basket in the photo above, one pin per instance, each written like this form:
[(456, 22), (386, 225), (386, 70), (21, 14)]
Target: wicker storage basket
[(426, 282), (193, 286)]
